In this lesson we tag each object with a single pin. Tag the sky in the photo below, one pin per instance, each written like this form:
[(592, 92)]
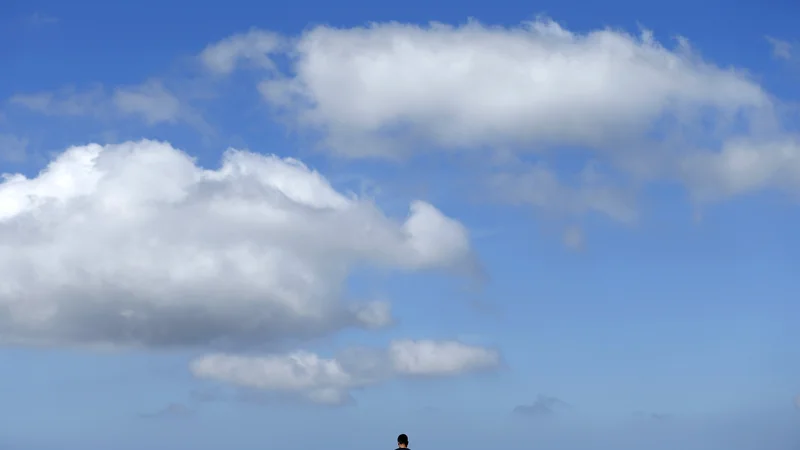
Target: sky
[(557, 225)]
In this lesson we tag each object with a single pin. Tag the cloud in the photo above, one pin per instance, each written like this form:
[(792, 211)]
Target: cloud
[(540, 187), (643, 111), (254, 46), (385, 88), (542, 406), (38, 19), (652, 415), (150, 101), (797, 401), (780, 49), (66, 102), (12, 148), (330, 381), (424, 358), (169, 411), (134, 244), (742, 166), (574, 238)]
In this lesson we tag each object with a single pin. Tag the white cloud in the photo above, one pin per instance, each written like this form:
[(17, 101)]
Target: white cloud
[(380, 89), (150, 101), (641, 108), (780, 49), (540, 187), (573, 238), (439, 358), (330, 380), (254, 46), (66, 102), (134, 244), (743, 166), (38, 19)]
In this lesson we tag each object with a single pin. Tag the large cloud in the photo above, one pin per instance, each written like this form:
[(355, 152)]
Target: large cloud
[(134, 244), (647, 111), (330, 380), (474, 86)]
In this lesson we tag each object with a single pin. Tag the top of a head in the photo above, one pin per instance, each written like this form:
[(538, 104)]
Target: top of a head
[(402, 439)]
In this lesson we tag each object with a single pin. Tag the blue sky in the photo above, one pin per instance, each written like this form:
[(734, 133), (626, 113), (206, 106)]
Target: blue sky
[(607, 245)]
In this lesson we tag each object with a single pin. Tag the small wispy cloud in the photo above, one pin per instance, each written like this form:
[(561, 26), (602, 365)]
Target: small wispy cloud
[(151, 102), (39, 19), (207, 395), (652, 415), (781, 49), (574, 238), (543, 406), (68, 101), (171, 410)]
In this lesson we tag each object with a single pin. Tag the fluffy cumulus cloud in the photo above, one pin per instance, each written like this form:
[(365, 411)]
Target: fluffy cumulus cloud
[(135, 244), (330, 380), (647, 110), (474, 86)]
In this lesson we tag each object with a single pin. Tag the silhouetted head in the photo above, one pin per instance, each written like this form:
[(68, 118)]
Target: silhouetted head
[(402, 441)]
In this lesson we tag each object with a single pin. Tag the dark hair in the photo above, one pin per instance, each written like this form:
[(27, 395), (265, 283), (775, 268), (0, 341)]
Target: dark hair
[(402, 439)]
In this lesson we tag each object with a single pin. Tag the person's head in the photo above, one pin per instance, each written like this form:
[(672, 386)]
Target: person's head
[(402, 441)]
